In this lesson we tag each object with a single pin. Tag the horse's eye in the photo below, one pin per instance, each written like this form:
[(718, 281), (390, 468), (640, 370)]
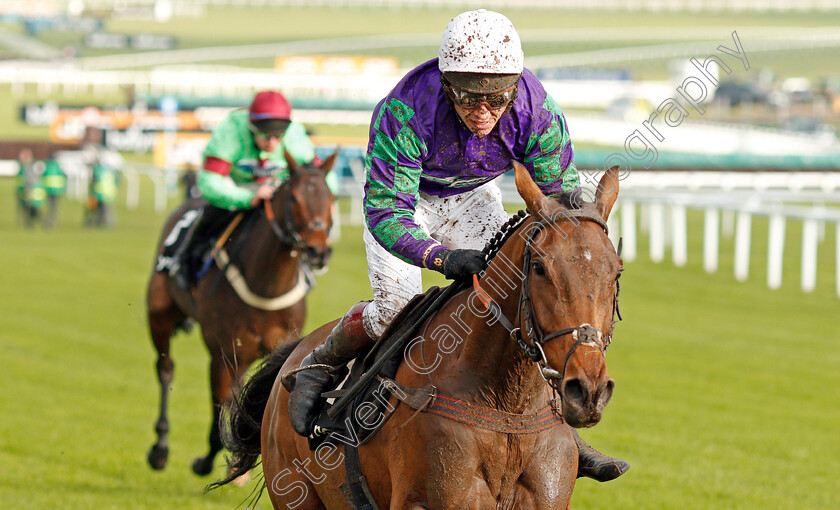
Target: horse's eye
[(538, 267)]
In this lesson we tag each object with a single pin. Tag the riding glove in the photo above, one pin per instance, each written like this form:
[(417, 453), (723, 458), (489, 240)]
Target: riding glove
[(460, 264)]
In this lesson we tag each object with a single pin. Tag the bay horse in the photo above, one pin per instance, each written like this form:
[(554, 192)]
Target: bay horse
[(252, 306), (538, 361)]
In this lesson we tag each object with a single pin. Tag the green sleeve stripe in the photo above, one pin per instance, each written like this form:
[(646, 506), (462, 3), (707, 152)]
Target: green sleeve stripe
[(379, 196), (389, 231), (552, 142), (385, 149), (532, 141), (401, 111), (571, 179), (410, 144), (407, 180), (406, 146)]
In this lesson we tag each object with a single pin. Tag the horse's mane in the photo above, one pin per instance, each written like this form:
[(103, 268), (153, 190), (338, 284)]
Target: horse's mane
[(571, 199)]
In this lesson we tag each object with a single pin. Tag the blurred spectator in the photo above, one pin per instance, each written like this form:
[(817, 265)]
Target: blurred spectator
[(190, 182), (55, 183), (30, 188), (104, 164), (102, 195), (37, 192), (25, 161)]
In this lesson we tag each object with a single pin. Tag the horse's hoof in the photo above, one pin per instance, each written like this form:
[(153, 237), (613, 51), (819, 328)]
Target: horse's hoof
[(157, 457), (202, 467)]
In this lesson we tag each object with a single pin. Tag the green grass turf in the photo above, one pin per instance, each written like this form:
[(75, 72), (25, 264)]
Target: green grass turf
[(726, 392)]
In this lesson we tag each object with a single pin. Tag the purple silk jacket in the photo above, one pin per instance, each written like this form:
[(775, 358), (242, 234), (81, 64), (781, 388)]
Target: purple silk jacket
[(418, 144)]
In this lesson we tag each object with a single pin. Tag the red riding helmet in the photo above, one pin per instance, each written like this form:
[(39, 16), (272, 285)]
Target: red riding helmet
[(270, 112)]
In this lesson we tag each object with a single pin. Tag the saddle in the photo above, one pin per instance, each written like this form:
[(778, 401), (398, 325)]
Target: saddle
[(362, 404), (196, 258), (365, 386)]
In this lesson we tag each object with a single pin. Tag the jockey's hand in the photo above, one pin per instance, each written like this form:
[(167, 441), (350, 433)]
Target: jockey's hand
[(264, 192), (461, 264)]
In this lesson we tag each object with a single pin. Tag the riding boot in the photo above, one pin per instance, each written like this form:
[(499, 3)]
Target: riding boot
[(594, 464), (346, 341)]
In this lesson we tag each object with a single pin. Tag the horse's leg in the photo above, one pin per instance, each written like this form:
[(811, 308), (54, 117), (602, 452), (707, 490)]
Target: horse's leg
[(221, 376), (163, 317)]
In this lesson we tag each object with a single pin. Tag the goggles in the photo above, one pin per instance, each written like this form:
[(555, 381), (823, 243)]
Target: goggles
[(471, 101), (276, 130)]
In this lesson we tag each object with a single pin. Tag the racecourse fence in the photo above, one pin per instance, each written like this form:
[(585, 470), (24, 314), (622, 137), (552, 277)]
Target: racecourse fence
[(651, 202), (656, 202)]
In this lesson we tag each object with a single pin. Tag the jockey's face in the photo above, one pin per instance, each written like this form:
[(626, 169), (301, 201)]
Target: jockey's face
[(480, 120), (480, 112), (265, 142)]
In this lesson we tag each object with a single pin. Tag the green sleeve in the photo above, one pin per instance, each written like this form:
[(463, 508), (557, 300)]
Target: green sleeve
[(221, 191), (225, 141), (332, 181), (550, 152), (297, 143)]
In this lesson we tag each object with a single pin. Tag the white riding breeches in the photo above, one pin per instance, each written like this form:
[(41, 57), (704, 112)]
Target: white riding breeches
[(465, 221)]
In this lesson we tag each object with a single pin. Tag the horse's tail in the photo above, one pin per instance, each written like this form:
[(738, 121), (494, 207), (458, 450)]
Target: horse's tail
[(242, 437)]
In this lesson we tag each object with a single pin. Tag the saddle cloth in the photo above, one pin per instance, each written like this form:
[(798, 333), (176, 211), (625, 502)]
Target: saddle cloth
[(174, 239)]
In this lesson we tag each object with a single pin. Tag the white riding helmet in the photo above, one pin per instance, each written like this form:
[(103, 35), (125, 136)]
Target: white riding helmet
[(482, 42)]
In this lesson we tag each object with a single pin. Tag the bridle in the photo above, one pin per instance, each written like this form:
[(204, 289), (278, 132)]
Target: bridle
[(288, 231), (584, 334)]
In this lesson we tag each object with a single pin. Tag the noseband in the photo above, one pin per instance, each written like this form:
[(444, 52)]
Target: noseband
[(288, 232), (585, 334)]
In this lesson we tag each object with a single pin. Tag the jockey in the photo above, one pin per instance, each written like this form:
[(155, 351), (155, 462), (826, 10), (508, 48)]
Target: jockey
[(246, 150), (437, 142)]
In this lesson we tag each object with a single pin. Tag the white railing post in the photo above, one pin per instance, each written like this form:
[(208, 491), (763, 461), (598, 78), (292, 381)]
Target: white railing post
[(711, 228), (160, 191), (742, 245), (613, 226), (775, 251), (132, 187), (644, 218), (727, 224), (679, 248), (809, 254), (656, 211), (628, 230)]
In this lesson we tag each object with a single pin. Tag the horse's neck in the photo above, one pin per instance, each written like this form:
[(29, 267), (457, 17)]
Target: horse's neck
[(500, 375), (268, 265)]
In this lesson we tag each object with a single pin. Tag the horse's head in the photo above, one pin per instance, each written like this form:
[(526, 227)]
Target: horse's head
[(570, 290), (302, 206)]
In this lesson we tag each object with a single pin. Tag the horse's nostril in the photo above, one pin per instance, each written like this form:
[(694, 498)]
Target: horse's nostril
[(605, 393), (573, 391)]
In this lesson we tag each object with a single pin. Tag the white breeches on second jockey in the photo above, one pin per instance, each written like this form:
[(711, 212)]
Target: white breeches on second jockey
[(465, 221)]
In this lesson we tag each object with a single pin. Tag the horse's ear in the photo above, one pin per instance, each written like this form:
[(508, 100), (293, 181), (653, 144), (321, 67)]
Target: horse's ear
[(290, 161), (528, 189), (607, 192), (327, 165)]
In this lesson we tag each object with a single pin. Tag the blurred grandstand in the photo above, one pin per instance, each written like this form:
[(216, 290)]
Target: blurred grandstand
[(763, 139)]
